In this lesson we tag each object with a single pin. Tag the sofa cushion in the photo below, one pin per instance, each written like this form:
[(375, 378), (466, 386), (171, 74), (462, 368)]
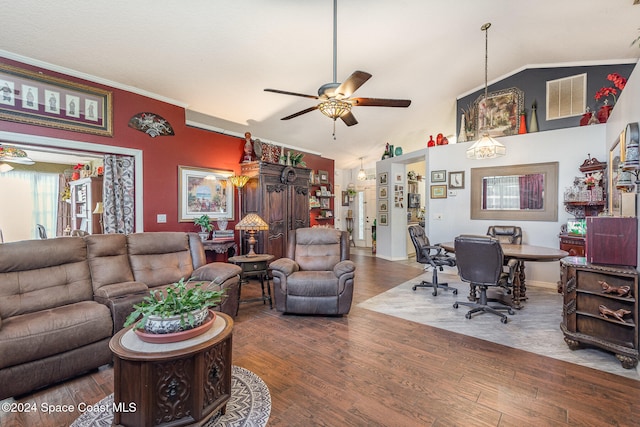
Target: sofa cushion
[(41, 274), (159, 258), (38, 335), (108, 259), (312, 284)]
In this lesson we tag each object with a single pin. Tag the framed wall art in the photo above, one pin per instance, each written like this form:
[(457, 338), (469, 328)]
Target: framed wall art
[(382, 219), (323, 177), (456, 180), (382, 192), (498, 115), (204, 192), (345, 198), (439, 176), (382, 178), (438, 191), (41, 100), (382, 206)]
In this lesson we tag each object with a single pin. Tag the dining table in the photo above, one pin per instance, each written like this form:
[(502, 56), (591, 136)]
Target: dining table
[(521, 253)]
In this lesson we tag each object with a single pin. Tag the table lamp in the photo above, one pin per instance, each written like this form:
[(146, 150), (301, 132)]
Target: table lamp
[(99, 210), (252, 223)]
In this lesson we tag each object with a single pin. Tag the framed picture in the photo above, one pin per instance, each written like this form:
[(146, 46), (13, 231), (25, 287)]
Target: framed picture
[(345, 198), (325, 203), (382, 192), (324, 177), (439, 176), (382, 178), (616, 157), (382, 206), (382, 219), (37, 99), (204, 192), (438, 191), (498, 114), (311, 177), (456, 180), (398, 177)]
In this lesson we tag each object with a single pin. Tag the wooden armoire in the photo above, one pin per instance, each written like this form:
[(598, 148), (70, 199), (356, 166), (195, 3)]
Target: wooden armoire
[(279, 194)]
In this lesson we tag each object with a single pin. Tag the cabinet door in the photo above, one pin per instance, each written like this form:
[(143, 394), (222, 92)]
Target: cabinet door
[(299, 206), (275, 211)]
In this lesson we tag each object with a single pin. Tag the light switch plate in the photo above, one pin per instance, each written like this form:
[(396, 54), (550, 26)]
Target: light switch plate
[(161, 218)]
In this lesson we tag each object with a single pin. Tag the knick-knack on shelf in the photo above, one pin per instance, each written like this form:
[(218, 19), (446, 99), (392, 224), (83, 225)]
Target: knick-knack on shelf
[(533, 125)]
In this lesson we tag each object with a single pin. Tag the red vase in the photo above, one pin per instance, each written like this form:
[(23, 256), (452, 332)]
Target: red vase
[(523, 124), (584, 121), (603, 113), (75, 176), (439, 139), (431, 142)]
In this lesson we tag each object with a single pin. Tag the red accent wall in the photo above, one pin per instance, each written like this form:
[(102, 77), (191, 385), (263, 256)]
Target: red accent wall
[(161, 155)]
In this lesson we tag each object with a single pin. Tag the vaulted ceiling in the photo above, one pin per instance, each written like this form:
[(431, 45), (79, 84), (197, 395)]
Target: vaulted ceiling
[(216, 57)]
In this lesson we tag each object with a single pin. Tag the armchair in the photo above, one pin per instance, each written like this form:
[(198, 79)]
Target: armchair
[(430, 255), (317, 275)]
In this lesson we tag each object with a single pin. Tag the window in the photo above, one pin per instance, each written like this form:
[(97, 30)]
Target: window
[(566, 97)]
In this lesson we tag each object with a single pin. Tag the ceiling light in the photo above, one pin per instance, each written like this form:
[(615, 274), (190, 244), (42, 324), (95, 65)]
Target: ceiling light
[(486, 147), (9, 153), (362, 175), (334, 108)]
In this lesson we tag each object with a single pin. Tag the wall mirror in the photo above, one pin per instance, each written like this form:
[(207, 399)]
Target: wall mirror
[(526, 192)]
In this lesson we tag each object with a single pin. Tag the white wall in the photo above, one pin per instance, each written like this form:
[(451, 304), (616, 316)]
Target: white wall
[(569, 147)]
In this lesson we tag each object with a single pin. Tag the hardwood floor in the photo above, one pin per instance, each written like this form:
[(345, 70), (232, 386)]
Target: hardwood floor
[(370, 369)]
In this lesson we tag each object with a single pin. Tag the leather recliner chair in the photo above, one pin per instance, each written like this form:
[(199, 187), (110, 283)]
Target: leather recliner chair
[(317, 275)]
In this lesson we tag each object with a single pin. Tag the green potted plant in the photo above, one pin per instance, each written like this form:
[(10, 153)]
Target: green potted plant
[(205, 226), (182, 306)]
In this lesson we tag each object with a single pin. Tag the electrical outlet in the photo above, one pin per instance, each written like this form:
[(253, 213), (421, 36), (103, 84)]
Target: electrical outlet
[(161, 218)]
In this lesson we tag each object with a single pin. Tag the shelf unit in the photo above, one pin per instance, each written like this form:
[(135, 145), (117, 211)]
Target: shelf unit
[(85, 193), (595, 313), (321, 210)]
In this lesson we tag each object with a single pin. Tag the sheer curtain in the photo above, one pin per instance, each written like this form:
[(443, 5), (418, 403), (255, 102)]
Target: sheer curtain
[(33, 197), (118, 195)]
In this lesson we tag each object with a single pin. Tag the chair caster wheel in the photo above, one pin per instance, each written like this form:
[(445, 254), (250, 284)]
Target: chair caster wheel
[(468, 315), (434, 293), (455, 305), (510, 312), (455, 292), (504, 320), (414, 288)]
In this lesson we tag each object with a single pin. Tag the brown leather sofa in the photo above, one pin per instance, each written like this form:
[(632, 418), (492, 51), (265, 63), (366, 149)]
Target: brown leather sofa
[(317, 275), (60, 298)]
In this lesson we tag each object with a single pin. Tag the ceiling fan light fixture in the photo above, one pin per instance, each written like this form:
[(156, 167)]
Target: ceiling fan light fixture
[(334, 108), (13, 154)]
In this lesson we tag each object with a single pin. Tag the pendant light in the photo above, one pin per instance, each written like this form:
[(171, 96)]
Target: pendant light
[(362, 175), (486, 147)]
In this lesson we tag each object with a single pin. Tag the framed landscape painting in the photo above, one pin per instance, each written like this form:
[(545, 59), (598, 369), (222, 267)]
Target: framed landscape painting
[(498, 114), (204, 192)]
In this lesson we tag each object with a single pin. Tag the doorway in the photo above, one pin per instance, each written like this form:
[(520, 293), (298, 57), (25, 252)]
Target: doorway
[(364, 216)]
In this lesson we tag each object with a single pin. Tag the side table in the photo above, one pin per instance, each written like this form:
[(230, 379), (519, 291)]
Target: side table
[(255, 266), (174, 384), (221, 246)]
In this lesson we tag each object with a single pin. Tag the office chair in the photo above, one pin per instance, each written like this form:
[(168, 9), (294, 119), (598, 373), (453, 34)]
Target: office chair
[(506, 233), (480, 263), (42, 233), (431, 255)]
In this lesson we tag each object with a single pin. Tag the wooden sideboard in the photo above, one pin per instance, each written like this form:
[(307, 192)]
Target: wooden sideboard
[(598, 310)]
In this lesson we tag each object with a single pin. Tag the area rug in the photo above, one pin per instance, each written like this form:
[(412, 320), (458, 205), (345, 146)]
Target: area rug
[(248, 406), (534, 328)]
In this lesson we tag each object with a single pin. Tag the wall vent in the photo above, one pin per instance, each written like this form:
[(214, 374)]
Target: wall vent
[(566, 97)]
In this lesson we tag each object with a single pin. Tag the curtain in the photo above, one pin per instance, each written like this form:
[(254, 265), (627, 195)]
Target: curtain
[(118, 195), (64, 207), (34, 197), (531, 191)]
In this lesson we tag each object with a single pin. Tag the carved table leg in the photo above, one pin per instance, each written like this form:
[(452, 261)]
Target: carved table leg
[(628, 362), (523, 285), (573, 344)]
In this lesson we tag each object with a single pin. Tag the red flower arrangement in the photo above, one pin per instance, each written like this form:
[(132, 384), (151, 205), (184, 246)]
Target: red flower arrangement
[(619, 83), (78, 167)]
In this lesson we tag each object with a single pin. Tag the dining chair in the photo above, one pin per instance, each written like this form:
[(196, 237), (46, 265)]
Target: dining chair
[(480, 263), (433, 256)]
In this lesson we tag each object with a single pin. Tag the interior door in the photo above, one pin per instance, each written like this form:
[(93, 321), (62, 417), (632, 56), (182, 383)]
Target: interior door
[(365, 213)]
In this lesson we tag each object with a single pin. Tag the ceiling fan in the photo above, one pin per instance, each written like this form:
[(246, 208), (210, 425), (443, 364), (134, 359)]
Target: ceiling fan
[(336, 100)]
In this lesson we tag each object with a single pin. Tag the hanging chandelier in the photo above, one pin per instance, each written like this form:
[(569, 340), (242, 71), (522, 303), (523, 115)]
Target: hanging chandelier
[(486, 147), (362, 175)]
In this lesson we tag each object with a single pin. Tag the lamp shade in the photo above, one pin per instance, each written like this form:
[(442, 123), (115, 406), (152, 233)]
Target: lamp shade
[(99, 209), (252, 222), (334, 108), (486, 148), (238, 180)]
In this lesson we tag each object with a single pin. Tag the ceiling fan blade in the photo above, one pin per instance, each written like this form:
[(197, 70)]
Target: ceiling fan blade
[(349, 119), (299, 113), (353, 82), (284, 92), (380, 102)]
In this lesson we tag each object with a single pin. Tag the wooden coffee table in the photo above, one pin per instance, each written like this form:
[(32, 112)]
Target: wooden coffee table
[(176, 384)]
